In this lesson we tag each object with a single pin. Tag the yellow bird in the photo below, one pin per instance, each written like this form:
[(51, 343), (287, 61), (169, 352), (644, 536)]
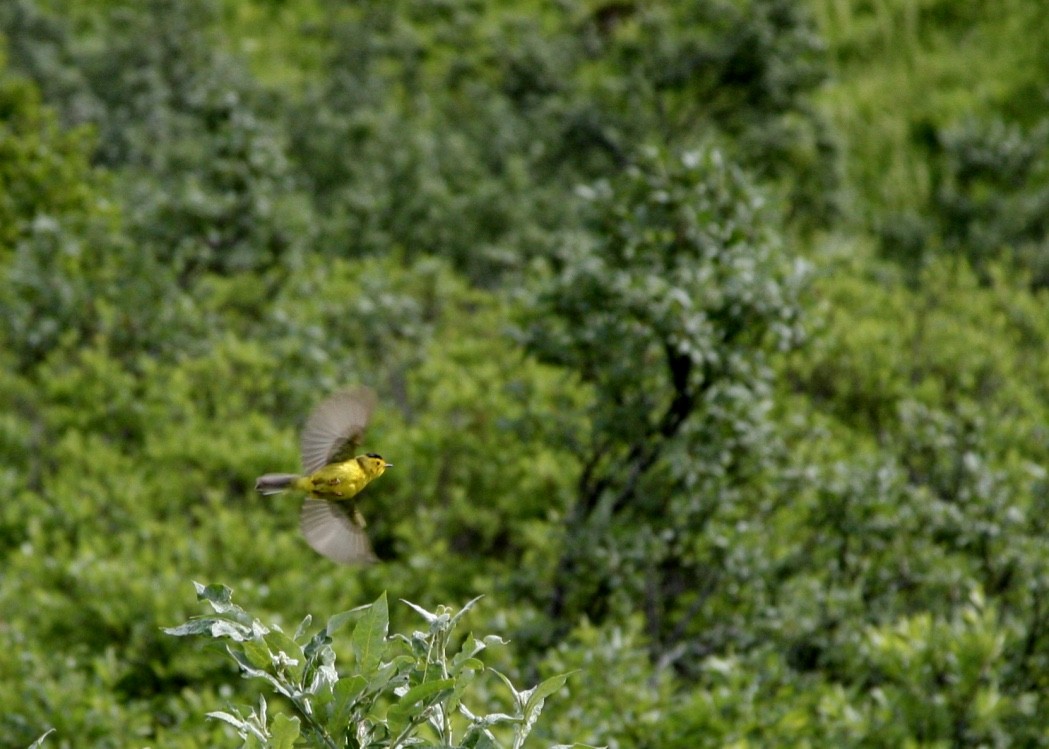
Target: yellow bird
[(332, 476)]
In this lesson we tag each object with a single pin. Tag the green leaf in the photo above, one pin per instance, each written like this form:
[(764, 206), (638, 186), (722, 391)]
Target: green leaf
[(479, 739), (537, 695), (519, 697), (317, 644), (491, 719), (340, 620), (388, 672), (249, 670), (534, 700), (344, 694), (293, 659), (468, 664), (462, 683), (257, 654), (234, 720), (369, 636), (464, 658), (40, 741), (224, 628), (285, 731), (300, 631), (218, 596), (421, 692), (469, 605), (427, 693), (192, 627), (429, 617), (213, 627)]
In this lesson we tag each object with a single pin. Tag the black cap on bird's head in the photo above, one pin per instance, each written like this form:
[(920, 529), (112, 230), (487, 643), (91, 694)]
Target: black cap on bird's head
[(376, 456)]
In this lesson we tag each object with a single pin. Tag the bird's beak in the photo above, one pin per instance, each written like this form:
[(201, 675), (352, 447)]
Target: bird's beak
[(388, 465)]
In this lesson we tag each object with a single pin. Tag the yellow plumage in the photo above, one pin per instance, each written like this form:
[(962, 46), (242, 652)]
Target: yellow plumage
[(341, 480), (333, 476)]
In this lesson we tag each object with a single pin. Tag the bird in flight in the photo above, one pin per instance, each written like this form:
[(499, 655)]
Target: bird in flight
[(333, 474)]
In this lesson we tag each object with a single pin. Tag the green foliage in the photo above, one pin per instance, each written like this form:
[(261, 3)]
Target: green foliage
[(52, 210), (533, 103), (668, 308), (40, 741), (402, 690), (42, 166), (566, 244), (957, 163), (989, 199), (202, 169)]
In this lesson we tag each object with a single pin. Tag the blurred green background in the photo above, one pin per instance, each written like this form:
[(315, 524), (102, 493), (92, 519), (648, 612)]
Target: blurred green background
[(710, 337)]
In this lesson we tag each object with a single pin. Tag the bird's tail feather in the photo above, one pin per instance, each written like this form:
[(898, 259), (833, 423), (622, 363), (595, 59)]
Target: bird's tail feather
[(273, 483)]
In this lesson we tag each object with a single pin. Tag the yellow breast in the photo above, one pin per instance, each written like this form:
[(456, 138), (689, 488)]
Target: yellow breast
[(335, 481)]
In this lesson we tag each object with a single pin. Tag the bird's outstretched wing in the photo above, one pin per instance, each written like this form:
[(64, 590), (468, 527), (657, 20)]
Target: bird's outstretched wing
[(335, 428), (336, 530)]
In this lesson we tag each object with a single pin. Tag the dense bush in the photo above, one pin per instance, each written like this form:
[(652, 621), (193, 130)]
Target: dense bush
[(649, 382), (669, 307), (989, 199), (403, 690)]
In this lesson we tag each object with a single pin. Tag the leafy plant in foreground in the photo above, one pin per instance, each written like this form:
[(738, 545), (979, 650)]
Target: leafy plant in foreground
[(402, 690)]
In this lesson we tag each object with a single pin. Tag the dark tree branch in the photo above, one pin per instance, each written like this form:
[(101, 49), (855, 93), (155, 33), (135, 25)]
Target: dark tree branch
[(642, 455)]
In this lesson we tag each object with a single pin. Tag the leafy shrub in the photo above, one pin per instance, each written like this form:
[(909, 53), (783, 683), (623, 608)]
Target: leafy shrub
[(989, 198), (402, 690), (667, 309)]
